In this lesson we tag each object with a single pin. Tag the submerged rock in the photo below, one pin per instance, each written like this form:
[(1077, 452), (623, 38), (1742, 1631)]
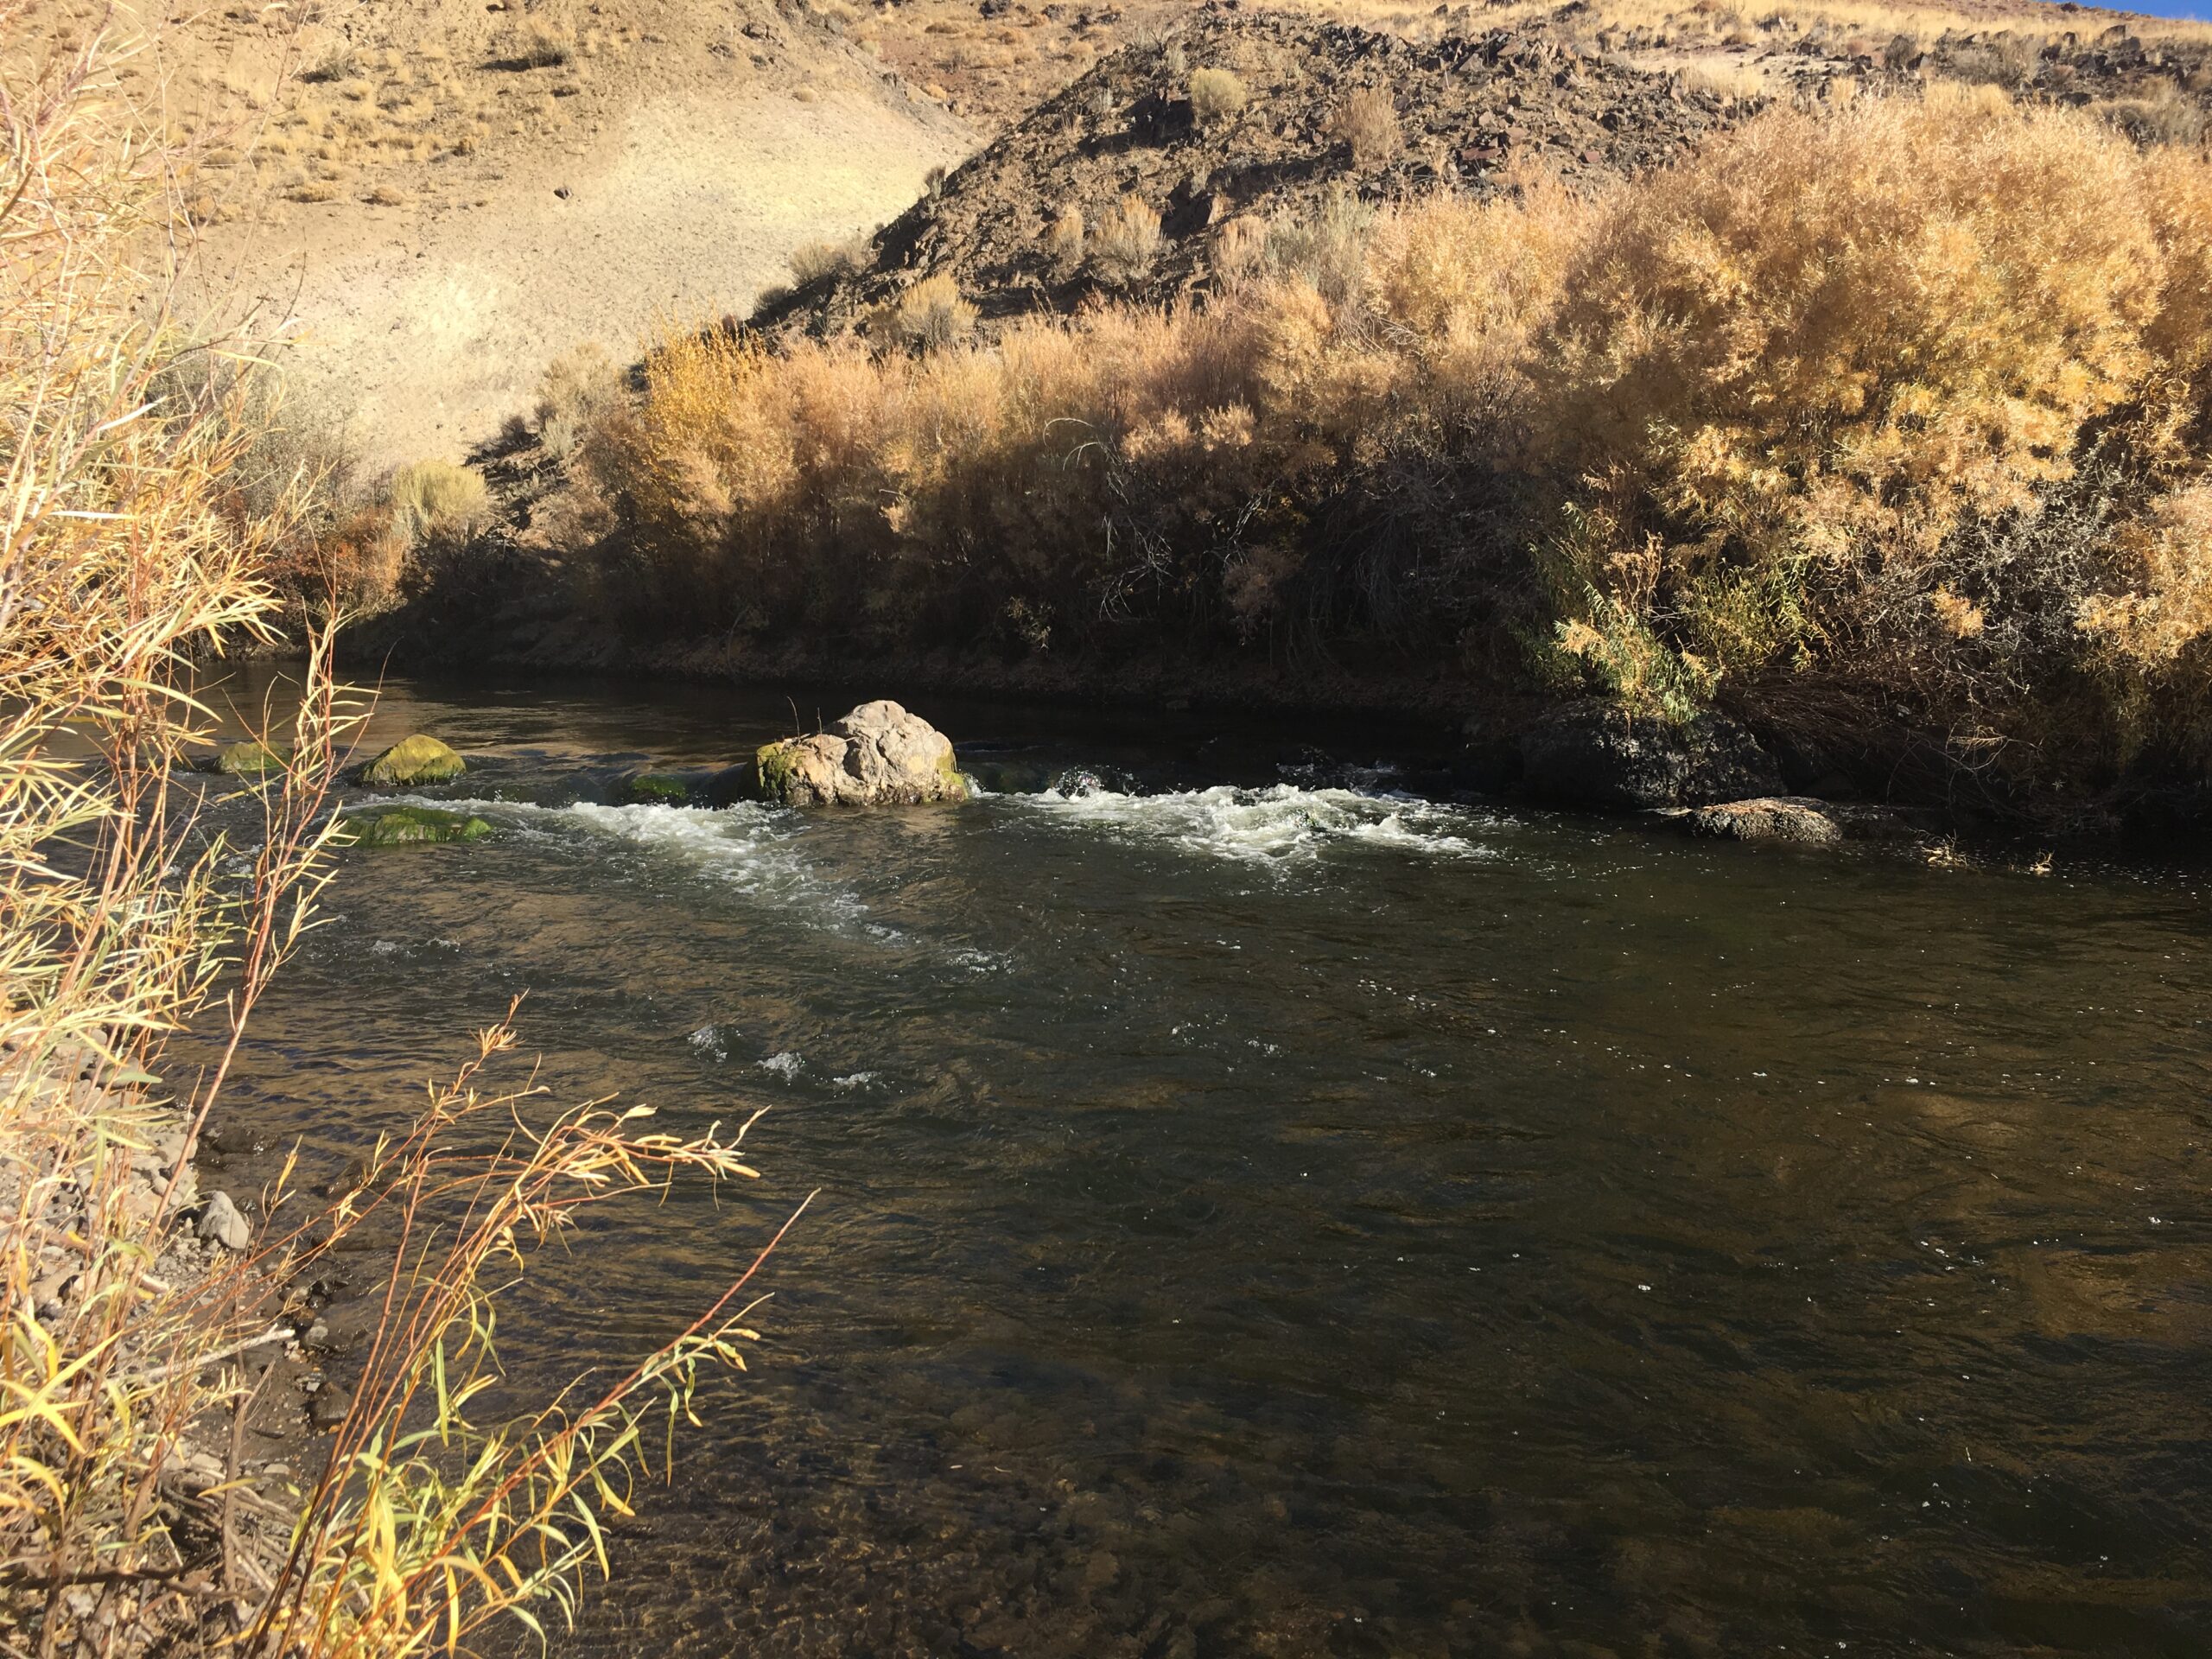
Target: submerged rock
[(413, 759), (878, 755), (1592, 755), (406, 826), (249, 759), (1795, 818), (1803, 820), (662, 789)]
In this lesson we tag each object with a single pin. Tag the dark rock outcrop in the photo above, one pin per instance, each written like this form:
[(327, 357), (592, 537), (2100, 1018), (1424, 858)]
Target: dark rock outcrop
[(1593, 755)]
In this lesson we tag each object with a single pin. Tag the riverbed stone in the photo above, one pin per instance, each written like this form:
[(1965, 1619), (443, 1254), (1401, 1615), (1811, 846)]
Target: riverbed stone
[(406, 826), (878, 755), (1804, 820), (249, 759), (1799, 819), (222, 1224), (1594, 755), (417, 759)]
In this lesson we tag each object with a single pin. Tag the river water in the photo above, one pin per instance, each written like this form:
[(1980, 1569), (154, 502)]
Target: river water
[(1261, 1212)]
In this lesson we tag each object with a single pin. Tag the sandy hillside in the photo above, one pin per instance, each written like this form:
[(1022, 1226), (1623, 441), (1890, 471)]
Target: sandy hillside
[(436, 198)]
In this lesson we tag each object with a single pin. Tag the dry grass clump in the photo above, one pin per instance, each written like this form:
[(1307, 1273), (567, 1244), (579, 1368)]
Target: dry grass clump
[(814, 262), (1064, 241), (1217, 95), (1125, 242), (1367, 121), (538, 42), (1896, 405)]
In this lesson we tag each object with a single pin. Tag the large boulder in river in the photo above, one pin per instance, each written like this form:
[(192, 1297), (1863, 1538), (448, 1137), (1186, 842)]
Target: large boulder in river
[(1592, 755), (413, 759), (878, 755)]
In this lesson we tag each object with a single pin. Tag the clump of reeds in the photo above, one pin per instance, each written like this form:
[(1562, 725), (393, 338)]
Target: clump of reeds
[(140, 538)]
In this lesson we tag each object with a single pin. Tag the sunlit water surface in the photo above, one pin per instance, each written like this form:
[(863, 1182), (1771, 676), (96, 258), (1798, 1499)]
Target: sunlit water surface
[(1260, 1214)]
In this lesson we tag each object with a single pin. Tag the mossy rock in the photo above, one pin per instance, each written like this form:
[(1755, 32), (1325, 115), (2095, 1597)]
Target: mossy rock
[(409, 826), (658, 788), (249, 759), (775, 769), (413, 759)]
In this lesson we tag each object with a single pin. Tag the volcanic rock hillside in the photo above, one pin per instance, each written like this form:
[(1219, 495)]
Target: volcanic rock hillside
[(1566, 93), (1467, 110)]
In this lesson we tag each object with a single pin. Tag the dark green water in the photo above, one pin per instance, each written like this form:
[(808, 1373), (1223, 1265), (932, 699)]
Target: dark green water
[(1293, 1220)]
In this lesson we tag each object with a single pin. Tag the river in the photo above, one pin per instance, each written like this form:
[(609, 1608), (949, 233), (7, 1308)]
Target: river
[(1261, 1212)]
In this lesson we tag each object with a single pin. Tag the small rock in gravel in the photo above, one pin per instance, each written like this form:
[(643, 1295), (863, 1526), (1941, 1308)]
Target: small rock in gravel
[(221, 1222), (329, 1405)]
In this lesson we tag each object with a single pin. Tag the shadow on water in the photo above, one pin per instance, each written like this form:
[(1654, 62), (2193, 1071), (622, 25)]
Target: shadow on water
[(1282, 1219)]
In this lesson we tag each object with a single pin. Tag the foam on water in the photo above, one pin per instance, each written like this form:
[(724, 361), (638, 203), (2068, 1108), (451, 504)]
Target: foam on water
[(1277, 824), (750, 849)]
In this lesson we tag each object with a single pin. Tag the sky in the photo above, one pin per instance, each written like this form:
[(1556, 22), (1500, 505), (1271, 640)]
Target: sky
[(2198, 9)]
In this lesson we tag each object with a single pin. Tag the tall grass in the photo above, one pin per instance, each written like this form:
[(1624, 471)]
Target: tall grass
[(136, 541), (1747, 429)]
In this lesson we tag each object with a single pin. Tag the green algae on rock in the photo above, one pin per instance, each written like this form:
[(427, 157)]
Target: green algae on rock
[(658, 788), (409, 826), (417, 759), (247, 758)]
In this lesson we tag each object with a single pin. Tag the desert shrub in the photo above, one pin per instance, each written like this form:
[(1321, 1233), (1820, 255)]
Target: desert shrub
[(813, 262), (1125, 242), (1064, 241), (1217, 95), (929, 316), (1239, 251), (2165, 116), (2006, 60), (539, 42), (436, 500), (576, 388), (1324, 246), (1368, 122)]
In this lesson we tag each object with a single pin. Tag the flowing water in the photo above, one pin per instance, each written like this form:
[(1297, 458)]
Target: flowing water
[(1263, 1213)]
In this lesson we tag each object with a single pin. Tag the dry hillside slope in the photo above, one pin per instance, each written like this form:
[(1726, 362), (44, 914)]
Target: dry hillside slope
[(437, 198)]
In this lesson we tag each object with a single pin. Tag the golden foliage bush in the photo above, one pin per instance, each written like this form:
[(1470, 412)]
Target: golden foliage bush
[(1901, 400)]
